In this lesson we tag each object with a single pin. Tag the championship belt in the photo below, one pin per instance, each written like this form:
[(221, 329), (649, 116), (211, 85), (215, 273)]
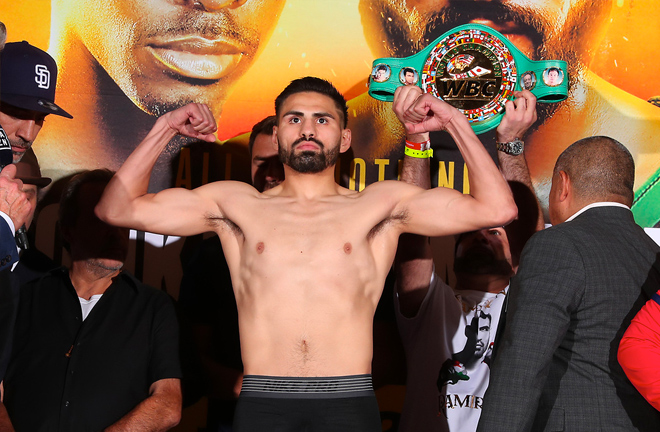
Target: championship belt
[(475, 69)]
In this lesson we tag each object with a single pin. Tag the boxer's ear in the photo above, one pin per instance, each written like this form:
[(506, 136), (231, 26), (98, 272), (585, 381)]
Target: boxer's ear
[(345, 140), (274, 138)]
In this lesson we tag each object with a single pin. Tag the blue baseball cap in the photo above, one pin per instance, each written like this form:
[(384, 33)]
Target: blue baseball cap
[(28, 77)]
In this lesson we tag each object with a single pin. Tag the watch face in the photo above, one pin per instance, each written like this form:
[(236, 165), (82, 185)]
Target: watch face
[(516, 147), (473, 71)]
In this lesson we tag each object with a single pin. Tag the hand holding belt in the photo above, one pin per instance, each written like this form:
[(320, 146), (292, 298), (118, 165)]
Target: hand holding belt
[(474, 68)]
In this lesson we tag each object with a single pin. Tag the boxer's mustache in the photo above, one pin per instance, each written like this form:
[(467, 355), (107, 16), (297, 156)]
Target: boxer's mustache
[(310, 139)]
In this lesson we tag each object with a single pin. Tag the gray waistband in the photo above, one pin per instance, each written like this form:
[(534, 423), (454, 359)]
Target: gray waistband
[(307, 387)]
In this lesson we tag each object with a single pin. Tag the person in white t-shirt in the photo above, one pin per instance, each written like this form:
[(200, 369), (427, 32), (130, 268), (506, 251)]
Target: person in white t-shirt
[(448, 334)]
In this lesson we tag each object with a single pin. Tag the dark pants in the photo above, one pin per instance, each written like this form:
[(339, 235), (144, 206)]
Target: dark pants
[(306, 404)]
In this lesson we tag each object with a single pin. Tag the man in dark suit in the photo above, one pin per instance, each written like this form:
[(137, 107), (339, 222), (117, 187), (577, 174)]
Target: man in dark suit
[(27, 96), (579, 284)]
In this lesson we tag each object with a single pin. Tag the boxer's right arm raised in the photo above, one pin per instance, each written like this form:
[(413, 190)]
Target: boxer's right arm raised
[(175, 211)]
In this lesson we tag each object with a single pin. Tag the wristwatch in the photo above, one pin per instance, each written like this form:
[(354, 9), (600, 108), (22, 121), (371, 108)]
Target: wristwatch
[(513, 148)]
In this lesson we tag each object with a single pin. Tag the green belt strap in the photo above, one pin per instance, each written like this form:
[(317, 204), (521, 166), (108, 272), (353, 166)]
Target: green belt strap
[(646, 205)]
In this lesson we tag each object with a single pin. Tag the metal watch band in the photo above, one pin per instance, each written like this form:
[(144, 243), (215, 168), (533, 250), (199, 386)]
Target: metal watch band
[(513, 148)]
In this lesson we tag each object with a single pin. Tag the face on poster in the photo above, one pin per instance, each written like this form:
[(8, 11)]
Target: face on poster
[(164, 54)]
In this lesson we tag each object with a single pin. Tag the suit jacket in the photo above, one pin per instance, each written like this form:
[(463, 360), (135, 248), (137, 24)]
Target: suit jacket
[(578, 286), (8, 251), (8, 291)]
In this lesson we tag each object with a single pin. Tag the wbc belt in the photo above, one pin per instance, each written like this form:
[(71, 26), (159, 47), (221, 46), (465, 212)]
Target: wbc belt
[(475, 69)]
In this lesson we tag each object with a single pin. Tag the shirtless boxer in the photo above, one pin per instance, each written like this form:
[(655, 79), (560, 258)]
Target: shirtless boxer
[(309, 258)]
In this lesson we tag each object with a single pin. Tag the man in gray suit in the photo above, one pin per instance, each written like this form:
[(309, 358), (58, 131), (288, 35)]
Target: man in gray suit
[(578, 286)]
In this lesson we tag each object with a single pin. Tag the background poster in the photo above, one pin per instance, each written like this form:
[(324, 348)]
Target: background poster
[(121, 63)]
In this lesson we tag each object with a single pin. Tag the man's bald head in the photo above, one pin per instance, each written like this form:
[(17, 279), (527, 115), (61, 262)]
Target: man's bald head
[(600, 169)]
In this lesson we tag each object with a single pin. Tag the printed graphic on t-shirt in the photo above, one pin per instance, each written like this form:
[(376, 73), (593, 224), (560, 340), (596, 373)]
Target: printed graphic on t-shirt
[(463, 378)]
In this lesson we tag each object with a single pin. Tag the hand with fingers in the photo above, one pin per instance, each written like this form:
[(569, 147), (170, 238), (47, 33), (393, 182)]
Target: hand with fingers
[(519, 116), (193, 120), (13, 201), (422, 112)]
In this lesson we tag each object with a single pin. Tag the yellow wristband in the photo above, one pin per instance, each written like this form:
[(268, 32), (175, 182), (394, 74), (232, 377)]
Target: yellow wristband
[(420, 154)]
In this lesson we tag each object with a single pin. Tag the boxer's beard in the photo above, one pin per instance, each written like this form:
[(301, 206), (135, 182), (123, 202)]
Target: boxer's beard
[(309, 161)]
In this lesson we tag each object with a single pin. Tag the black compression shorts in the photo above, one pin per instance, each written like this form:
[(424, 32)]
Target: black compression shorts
[(309, 404)]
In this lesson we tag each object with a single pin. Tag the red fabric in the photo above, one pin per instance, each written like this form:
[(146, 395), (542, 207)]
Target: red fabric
[(639, 352)]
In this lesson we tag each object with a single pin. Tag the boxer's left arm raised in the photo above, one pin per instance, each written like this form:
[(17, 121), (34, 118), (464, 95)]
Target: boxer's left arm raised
[(175, 211), (443, 211)]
